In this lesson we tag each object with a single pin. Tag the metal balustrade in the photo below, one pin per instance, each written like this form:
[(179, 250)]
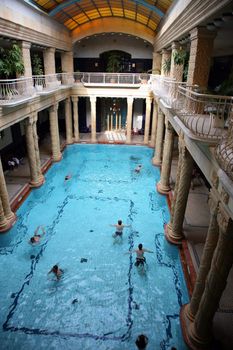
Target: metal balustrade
[(15, 91), (224, 150), (205, 115)]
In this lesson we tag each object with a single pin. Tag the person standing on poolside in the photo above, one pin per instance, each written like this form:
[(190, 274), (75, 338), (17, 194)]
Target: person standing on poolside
[(119, 229), (36, 238)]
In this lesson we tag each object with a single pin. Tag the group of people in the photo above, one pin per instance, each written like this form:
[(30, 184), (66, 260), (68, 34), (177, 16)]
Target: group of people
[(14, 163), (34, 240), (140, 258)]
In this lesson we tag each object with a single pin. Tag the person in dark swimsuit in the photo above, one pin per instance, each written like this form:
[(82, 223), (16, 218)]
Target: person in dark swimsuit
[(36, 238), (119, 229)]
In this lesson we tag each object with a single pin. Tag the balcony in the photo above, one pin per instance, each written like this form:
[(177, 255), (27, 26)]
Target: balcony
[(17, 91), (204, 116)]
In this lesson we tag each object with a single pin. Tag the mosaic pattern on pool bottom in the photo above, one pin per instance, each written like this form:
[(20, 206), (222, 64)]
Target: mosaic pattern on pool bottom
[(103, 302)]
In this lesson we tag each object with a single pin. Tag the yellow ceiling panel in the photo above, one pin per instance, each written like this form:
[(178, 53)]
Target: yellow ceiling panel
[(147, 12)]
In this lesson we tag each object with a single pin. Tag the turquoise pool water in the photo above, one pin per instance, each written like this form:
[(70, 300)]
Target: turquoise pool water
[(103, 302)]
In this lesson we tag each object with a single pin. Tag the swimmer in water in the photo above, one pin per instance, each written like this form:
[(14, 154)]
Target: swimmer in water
[(119, 229), (36, 238), (138, 169), (140, 258), (68, 177), (56, 271)]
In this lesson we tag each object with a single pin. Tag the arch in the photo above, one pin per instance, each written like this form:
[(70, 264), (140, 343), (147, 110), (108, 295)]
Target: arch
[(116, 25)]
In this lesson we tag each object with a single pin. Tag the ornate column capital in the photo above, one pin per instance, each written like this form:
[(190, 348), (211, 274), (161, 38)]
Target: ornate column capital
[(202, 32), (51, 50), (130, 100), (26, 45), (176, 45), (213, 201), (93, 99), (53, 108)]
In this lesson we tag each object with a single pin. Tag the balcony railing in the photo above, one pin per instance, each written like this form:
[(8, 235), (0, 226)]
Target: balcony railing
[(224, 151), (205, 115), (16, 91), (119, 79)]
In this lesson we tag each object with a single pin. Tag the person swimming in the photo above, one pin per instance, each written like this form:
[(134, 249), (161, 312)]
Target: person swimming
[(140, 258), (141, 342), (138, 169), (36, 238), (68, 177), (119, 229), (56, 271)]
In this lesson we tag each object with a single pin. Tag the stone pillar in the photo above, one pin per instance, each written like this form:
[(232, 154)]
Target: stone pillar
[(157, 159), (147, 121), (67, 62), (5, 202), (200, 56), (49, 61), (156, 65), (25, 46), (166, 56), (129, 119), (163, 185), (76, 123), (31, 153), (68, 120), (4, 224), (93, 118), (199, 333), (174, 234), (54, 132), (154, 123), (176, 69), (37, 152), (190, 310)]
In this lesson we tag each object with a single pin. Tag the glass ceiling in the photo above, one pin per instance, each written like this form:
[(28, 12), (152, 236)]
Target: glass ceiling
[(74, 13)]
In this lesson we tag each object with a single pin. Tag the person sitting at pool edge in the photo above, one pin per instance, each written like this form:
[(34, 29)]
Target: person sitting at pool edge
[(140, 259), (36, 238), (138, 169), (119, 229), (56, 271)]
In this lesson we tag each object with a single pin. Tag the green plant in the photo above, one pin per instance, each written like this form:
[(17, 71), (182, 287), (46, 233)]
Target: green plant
[(167, 65), (186, 66), (179, 57), (37, 65), (11, 62), (114, 63)]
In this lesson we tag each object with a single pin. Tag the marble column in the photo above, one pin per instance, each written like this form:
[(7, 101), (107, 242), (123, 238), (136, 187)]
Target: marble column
[(166, 56), (163, 185), (176, 69), (154, 123), (37, 151), (76, 122), (4, 223), (202, 41), (129, 119), (147, 121), (93, 118), (200, 331), (54, 133), (157, 159), (68, 120), (26, 46), (174, 234), (49, 61), (156, 65), (35, 181), (7, 213), (67, 66)]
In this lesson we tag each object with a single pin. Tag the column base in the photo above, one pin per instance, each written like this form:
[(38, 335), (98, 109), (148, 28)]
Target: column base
[(76, 140), (193, 341), (57, 158), (37, 183), (170, 237), (156, 162), (70, 142), (163, 189), (6, 225)]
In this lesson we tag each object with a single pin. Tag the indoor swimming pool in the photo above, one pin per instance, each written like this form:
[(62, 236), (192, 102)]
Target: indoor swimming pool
[(102, 301)]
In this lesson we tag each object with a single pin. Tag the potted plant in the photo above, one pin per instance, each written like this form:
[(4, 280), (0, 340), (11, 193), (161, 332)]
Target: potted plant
[(113, 65), (11, 62), (167, 66), (37, 70)]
